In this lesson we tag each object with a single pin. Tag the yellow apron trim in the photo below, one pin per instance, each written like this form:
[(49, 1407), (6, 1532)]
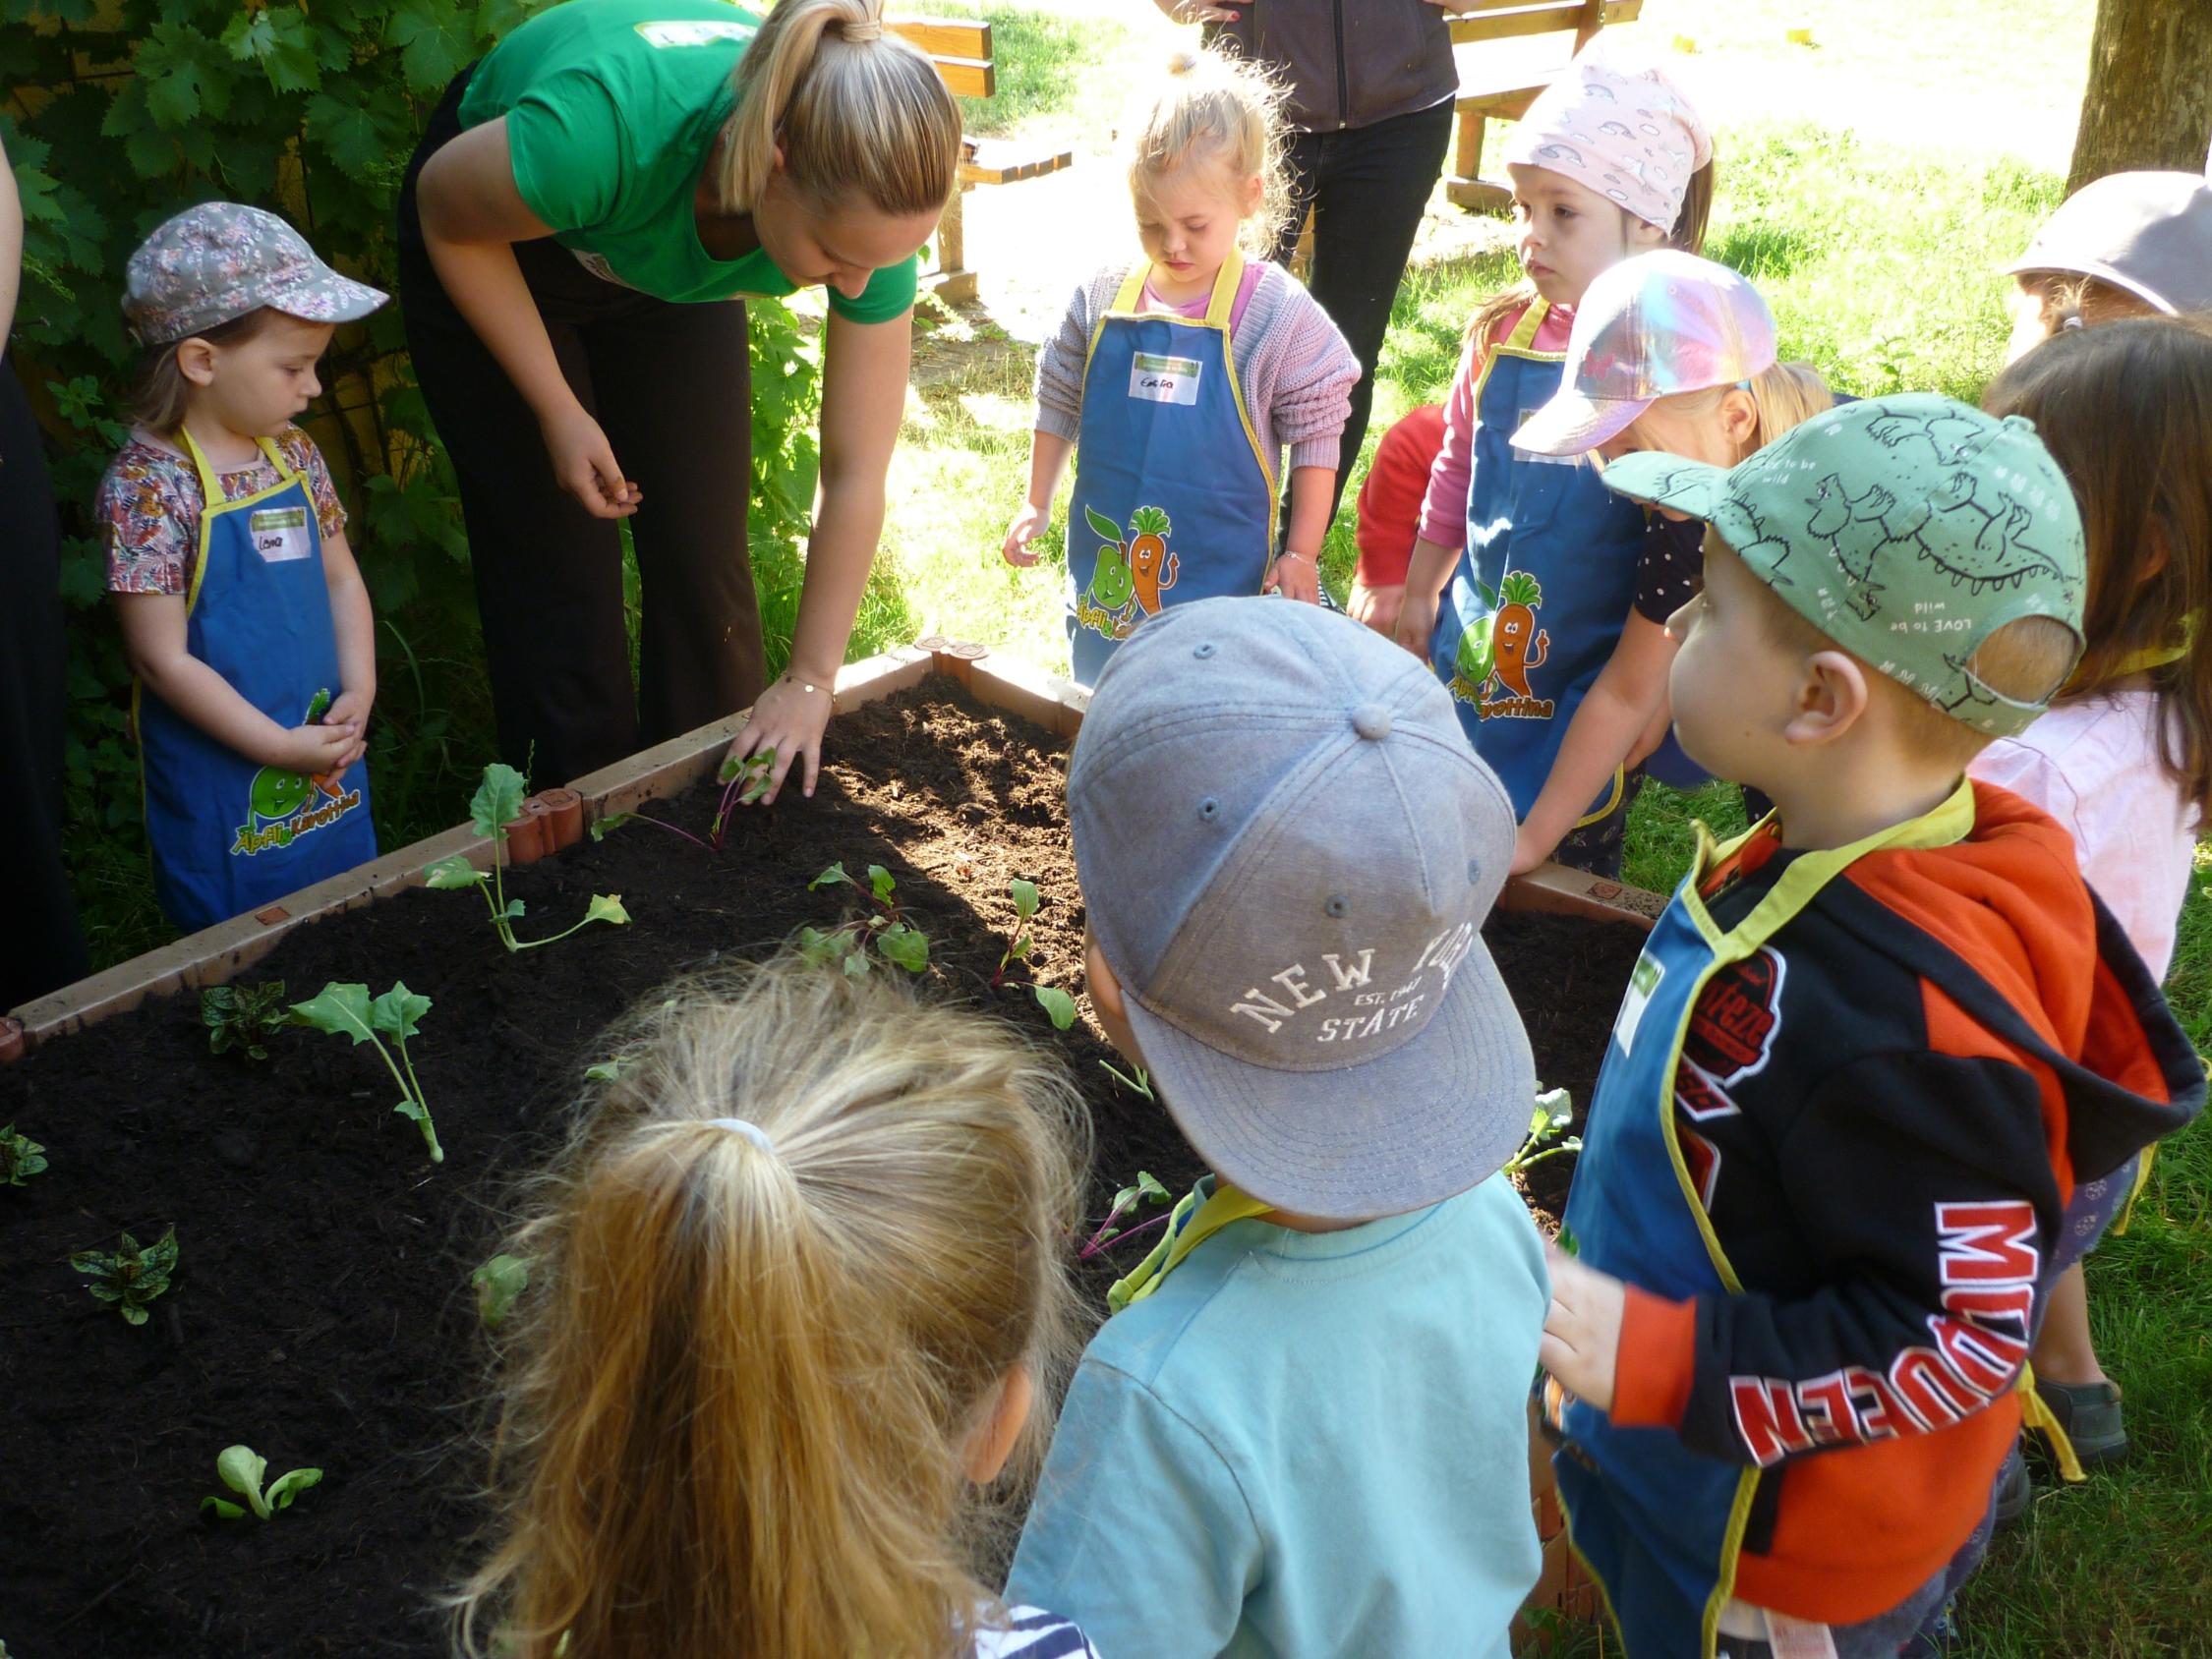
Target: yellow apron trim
[(1946, 825), (1613, 801), (2036, 1414), (1218, 307), (1191, 1224), (1516, 344), (1723, 1591), (2134, 662), (211, 502), (2135, 1192)]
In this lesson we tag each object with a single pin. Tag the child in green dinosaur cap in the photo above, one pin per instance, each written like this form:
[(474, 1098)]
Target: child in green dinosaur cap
[(1871, 1046)]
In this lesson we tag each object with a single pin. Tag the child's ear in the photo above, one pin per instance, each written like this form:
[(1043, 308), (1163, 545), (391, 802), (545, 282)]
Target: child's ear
[(1256, 189), (1832, 698), (999, 1430), (1642, 235), (1740, 419), (195, 360)]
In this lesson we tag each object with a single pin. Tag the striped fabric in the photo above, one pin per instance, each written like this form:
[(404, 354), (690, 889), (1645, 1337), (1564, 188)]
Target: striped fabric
[(1027, 1632)]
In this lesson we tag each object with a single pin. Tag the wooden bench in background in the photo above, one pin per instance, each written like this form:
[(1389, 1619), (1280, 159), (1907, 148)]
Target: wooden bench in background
[(961, 51), (1505, 92)]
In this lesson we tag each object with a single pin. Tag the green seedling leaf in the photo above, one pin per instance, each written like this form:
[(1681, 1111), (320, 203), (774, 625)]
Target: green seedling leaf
[(613, 821), (1140, 1084), (605, 1072), (243, 1016), (1150, 1188), (289, 1485), (19, 1158), (395, 1012), (855, 964), (823, 949), (241, 1468), (458, 872), (727, 771), (763, 767), (1555, 1111), (341, 1009), (1025, 899), (904, 947), (880, 883), (498, 801), (512, 909), (835, 874), (127, 1277), (499, 1282), (606, 907), (1057, 1003), (223, 1508)]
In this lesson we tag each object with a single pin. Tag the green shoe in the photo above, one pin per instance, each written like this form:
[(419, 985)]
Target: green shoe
[(2089, 1412)]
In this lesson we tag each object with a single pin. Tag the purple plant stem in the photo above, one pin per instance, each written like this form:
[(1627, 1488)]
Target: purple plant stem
[(664, 824), (1099, 1245)]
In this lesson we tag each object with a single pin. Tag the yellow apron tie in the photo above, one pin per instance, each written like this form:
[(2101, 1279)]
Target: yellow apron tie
[(2036, 1414), (1195, 1219)]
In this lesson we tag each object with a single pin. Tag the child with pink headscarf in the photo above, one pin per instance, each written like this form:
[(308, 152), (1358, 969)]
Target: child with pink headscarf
[(1527, 569)]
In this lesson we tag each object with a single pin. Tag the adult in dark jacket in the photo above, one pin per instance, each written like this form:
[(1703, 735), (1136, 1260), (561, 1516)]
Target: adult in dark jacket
[(1370, 85)]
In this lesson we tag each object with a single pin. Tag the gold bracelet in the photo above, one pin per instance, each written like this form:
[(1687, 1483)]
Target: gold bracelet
[(790, 679)]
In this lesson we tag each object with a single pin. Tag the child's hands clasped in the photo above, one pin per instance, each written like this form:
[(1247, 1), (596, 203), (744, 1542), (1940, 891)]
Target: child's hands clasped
[(351, 710), (1294, 576), (316, 750), (1029, 525), (1581, 1344)]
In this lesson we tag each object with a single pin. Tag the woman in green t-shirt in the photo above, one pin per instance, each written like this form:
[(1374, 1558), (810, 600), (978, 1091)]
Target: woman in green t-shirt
[(588, 209)]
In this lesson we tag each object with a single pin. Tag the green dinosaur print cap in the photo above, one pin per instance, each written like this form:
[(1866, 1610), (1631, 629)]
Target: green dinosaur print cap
[(1906, 529)]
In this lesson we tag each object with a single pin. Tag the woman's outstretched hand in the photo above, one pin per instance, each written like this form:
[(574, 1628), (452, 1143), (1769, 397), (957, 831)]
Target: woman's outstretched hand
[(583, 462), (787, 722)]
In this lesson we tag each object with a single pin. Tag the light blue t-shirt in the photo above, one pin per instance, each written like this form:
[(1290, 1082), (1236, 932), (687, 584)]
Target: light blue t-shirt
[(1306, 1443)]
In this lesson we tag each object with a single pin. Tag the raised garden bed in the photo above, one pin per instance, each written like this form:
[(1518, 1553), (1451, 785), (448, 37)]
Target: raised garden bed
[(321, 1310)]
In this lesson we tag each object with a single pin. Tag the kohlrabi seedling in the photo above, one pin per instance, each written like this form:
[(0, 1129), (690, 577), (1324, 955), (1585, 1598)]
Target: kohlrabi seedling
[(497, 1282), (243, 1016), (348, 1010), (1127, 1202), (1057, 1003), (497, 803), (241, 1468), (845, 946), (1140, 1084), (21, 1157), (127, 1277), (743, 782), (1547, 1123)]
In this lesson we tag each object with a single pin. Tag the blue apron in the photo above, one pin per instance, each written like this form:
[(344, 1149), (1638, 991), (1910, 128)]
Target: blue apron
[(1173, 500), (227, 835), (1544, 584), (1662, 1527)]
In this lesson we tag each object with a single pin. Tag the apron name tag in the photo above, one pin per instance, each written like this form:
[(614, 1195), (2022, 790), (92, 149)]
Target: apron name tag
[(1643, 980), (1164, 379), (279, 534)]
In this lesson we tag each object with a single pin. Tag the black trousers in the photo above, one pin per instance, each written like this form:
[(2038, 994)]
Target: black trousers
[(672, 386), (1367, 187), (44, 950)]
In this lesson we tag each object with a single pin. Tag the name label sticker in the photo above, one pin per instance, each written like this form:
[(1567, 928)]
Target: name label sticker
[(281, 534), (1164, 379)]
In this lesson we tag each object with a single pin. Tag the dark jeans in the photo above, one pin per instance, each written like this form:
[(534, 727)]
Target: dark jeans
[(1367, 187), (672, 386), (45, 952)]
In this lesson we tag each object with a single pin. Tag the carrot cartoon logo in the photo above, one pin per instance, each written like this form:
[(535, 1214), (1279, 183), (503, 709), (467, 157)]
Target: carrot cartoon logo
[(1495, 654), (1125, 586), (282, 806)]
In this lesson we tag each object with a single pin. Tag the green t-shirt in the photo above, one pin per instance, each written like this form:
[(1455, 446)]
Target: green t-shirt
[(611, 106)]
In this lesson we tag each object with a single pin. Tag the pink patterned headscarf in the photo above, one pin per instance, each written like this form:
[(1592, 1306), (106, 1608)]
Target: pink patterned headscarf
[(1623, 131)]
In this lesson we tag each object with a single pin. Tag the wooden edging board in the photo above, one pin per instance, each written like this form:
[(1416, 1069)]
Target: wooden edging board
[(215, 954)]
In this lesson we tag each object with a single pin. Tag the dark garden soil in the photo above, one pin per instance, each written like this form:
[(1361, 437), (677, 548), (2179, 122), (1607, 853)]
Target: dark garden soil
[(321, 1311)]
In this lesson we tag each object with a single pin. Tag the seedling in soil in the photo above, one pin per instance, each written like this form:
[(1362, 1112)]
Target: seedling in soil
[(348, 1010), (243, 1016), (1140, 1084), (19, 1159), (1127, 1202), (1547, 1123), (241, 1468), (845, 946), (497, 1282), (129, 1277), (1057, 1003), (497, 803), (743, 782)]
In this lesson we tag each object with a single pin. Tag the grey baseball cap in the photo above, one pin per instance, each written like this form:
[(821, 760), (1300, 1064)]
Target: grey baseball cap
[(1288, 850), (222, 260), (2148, 234)]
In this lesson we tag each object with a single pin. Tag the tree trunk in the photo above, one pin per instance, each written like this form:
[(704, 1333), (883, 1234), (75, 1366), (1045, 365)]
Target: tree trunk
[(2149, 100)]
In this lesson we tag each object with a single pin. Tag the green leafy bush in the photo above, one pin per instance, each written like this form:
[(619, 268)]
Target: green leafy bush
[(124, 111)]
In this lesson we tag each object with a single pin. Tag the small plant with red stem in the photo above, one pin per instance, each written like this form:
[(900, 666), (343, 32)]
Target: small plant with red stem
[(743, 782), (1058, 1006), (845, 946), (1128, 1202)]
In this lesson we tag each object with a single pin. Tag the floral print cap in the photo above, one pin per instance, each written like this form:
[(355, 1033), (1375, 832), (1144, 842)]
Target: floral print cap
[(1619, 128), (220, 260)]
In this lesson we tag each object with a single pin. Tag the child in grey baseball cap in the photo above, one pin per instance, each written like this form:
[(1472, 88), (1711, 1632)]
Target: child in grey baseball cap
[(1303, 1430), (243, 614)]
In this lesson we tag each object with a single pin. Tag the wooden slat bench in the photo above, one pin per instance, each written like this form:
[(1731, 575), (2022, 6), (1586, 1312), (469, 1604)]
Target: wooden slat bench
[(1505, 94), (961, 51)]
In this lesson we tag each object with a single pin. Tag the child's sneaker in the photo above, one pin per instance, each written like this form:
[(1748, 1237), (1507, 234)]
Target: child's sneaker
[(2089, 1412)]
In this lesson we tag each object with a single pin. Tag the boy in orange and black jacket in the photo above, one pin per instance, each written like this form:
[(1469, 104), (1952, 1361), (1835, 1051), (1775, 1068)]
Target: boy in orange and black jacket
[(1871, 1047)]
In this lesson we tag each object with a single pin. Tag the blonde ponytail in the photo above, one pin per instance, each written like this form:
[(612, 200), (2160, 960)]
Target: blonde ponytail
[(859, 112), (1225, 110), (740, 1388), (1788, 394)]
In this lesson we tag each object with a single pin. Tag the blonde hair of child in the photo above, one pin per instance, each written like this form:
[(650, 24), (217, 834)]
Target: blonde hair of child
[(1784, 395), (737, 1393), (2126, 409), (858, 111), (1226, 111)]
